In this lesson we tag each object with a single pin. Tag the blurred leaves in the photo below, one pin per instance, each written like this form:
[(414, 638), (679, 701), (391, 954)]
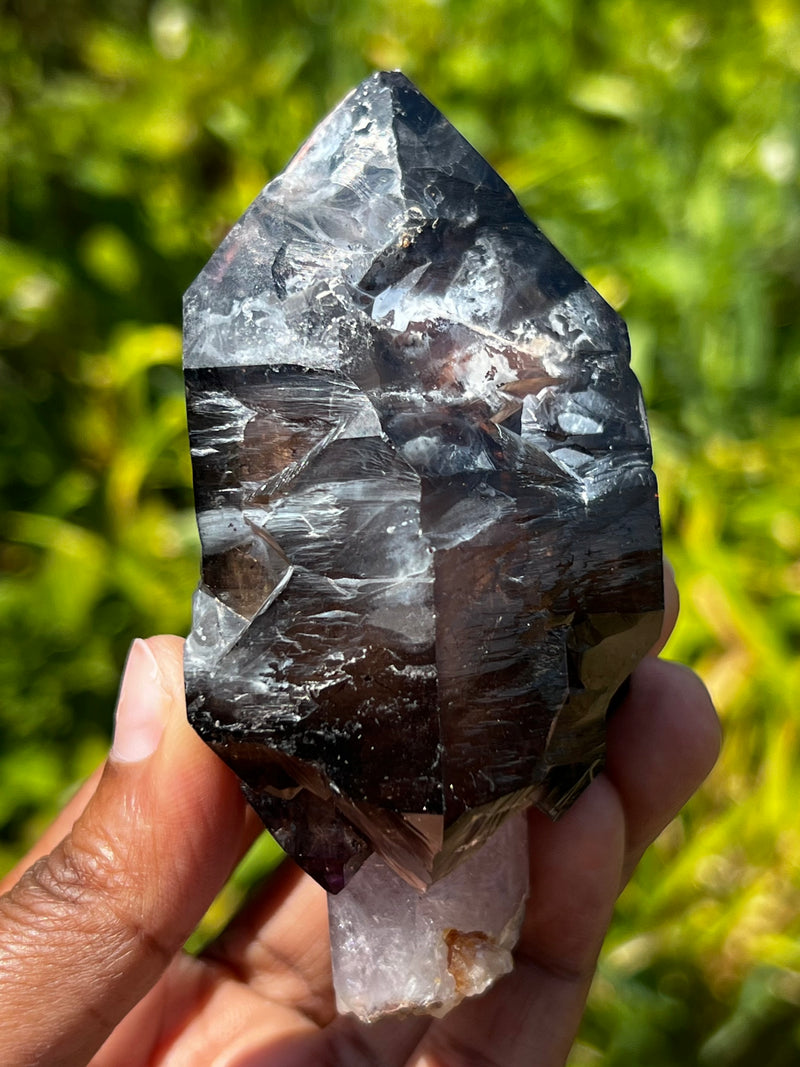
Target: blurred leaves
[(658, 145)]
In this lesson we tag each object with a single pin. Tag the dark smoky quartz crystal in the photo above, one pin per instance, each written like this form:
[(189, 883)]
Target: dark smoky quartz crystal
[(430, 532)]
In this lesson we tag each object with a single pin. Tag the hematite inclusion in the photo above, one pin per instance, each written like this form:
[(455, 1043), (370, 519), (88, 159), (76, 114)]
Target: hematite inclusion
[(431, 545)]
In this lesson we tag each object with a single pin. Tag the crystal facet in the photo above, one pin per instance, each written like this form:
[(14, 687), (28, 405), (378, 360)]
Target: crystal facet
[(431, 545)]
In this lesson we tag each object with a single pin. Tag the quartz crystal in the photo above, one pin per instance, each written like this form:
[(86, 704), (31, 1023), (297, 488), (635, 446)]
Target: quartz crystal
[(431, 546)]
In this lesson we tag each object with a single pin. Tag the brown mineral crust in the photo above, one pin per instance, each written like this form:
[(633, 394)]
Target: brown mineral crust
[(462, 952)]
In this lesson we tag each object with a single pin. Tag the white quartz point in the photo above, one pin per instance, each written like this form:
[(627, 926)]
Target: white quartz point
[(398, 951)]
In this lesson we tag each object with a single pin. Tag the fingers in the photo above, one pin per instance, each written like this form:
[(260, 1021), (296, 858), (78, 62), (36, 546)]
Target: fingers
[(96, 921), (279, 945), (347, 1042), (662, 743), (198, 1014), (58, 829), (671, 608)]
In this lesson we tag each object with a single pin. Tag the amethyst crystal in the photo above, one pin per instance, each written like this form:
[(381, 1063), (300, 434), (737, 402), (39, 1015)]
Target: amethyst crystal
[(431, 546), (396, 951)]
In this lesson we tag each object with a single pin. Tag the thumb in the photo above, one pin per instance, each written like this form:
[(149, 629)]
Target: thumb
[(90, 927)]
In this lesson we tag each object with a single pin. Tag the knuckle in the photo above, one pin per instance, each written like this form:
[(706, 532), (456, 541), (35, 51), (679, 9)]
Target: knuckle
[(89, 874), (86, 889)]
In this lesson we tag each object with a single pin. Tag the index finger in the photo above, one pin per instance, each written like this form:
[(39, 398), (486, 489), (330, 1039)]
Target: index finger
[(96, 921)]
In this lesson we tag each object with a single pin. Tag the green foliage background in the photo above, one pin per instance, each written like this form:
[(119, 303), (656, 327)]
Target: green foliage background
[(657, 144)]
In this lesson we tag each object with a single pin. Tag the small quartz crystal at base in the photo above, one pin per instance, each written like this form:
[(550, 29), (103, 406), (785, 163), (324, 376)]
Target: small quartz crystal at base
[(399, 951)]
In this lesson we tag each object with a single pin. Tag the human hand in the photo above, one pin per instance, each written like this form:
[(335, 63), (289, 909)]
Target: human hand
[(93, 920)]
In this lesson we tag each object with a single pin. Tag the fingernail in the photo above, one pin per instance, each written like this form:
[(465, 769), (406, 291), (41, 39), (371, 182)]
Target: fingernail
[(139, 721)]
